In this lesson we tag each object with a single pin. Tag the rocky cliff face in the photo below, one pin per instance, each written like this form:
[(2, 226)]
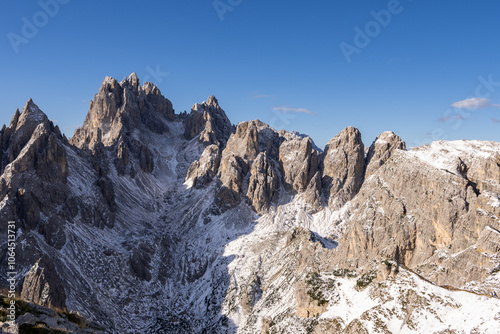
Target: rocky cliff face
[(150, 221), (343, 167)]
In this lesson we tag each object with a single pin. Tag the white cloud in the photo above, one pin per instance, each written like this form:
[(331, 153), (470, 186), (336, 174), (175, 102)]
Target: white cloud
[(451, 118), (297, 110), (474, 103), (261, 96)]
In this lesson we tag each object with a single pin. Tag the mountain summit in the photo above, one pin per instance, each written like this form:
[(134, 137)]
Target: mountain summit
[(148, 221)]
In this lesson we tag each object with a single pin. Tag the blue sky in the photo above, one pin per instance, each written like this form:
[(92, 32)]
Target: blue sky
[(283, 62)]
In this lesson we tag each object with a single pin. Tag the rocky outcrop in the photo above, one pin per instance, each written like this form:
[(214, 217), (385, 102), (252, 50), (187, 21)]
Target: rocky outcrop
[(381, 150), (209, 123), (231, 172), (34, 318), (140, 262), (42, 285), (117, 111), (202, 171), (263, 183), (306, 306), (119, 108), (313, 193), (425, 218), (15, 137), (43, 154), (253, 137), (342, 167), (160, 104), (299, 163)]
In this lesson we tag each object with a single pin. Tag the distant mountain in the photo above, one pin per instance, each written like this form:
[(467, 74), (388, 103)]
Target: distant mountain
[(148, 221)]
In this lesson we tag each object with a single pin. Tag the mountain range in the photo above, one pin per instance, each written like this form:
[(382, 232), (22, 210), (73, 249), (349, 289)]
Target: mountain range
[(152, 221)]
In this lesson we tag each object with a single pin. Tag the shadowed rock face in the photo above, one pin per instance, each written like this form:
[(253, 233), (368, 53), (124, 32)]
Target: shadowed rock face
[(263, 183), (202, 171), (42, 285), (206, 226), (15, 137)]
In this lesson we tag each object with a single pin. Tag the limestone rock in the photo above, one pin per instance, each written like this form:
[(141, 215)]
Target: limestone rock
[(253, 143), (299, 163), (231, 170), (53, 232), (209, 123), (158, 101), (140, 262), (119, 108), (422, 217), (202, 171), (381, 150), (42, 285), (263, 183), (15, 137), (44, 154), (306, 306), (342, 167), (313, 194), (251, 138)]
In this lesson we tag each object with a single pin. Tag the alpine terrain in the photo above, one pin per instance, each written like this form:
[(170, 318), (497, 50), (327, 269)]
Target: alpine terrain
[(151, 221)]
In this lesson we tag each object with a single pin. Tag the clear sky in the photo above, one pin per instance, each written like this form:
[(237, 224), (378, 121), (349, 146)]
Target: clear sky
[(310, 66)]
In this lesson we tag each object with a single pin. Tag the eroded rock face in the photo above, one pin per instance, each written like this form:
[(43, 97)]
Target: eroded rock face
[(249, 167), (299, 163), (250, 139), (343, 167), (263, 183), (313, 193), (119, 108), (423, 217), (44, 154), (140, 262), (17, 135), (232, 170), (306, 306), (209, 123), (257, 160), (381, 150), (42, 285), (202, 171)]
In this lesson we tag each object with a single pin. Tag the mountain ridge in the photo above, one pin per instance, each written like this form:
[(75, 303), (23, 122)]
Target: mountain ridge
[(207, 226)]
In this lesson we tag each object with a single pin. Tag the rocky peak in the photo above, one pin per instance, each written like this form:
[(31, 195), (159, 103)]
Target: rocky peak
[(120, 108), (21, 128), (251, 138), (31, 116), (134, 81), (212, 101), (208, 122), (381, 150), (15, 119), (253, 147), (343, 167)]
